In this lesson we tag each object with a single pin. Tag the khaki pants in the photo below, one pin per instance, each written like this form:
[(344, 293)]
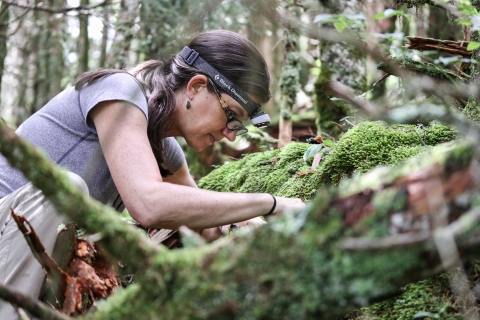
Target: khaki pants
[(18, 268)]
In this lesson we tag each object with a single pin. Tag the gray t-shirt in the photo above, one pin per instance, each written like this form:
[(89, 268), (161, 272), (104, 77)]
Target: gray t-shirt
[(64, 131)]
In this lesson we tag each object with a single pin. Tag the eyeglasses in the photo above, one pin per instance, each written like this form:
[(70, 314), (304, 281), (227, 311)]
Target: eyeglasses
[(233, 124)]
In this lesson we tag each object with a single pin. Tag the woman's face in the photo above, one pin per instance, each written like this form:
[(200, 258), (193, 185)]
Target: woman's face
[(205, 121)]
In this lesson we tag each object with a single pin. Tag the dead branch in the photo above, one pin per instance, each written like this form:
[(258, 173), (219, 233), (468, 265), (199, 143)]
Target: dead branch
[(36, 308), (384, 77), (38, 250), (452, 47)]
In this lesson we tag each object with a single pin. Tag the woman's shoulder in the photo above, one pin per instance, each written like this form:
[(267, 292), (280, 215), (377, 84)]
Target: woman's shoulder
[(116, 79)]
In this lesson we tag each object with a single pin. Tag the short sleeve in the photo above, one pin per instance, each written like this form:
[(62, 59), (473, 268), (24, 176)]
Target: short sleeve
[(173, 154), (117, 86)]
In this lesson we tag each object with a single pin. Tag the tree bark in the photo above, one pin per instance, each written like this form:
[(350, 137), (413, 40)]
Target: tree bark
[(83, 41), (103, 45), (4, 23), (290, 78)]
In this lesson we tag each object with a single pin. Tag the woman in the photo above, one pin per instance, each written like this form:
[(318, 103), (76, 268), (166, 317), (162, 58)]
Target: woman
[(114, 132)]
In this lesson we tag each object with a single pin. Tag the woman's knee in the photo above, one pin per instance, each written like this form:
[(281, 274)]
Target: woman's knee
[(78, 181)]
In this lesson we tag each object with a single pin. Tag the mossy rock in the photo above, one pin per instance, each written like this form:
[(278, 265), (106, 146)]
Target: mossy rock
[(285, 173)]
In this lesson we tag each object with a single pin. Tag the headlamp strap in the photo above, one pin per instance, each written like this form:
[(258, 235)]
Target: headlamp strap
[(193, 58)]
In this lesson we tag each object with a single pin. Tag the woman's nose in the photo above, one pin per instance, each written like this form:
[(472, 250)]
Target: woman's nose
[(229, 134)]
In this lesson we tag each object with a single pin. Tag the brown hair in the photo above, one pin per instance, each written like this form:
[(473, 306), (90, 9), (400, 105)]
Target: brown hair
[(228, 52)]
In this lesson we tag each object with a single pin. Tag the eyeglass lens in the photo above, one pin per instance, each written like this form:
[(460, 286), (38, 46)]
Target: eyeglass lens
[(236, 125)]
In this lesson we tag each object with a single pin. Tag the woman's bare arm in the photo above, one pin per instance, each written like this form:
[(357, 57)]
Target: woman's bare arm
[(153, 202)]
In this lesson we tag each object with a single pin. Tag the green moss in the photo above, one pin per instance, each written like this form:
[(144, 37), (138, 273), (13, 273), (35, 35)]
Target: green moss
[(284, 173), (369, 144), (427, 299), (472, 110), (250, 174)]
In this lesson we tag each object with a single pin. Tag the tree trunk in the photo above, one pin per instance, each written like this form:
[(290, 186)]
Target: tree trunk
[(290, 78), (339, 62), (83, 41), (4, 17), (56, 61), (118, 56), (103, 45), (373, 27), (39, 46), (16, 92)]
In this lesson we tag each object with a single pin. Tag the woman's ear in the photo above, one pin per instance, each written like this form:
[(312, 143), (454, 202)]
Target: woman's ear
[(195, 85)]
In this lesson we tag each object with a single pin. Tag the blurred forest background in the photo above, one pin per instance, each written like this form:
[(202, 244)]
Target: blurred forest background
[(45, 44)]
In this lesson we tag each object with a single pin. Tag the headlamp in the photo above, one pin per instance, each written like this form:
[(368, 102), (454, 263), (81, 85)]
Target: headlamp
[(258, 119)]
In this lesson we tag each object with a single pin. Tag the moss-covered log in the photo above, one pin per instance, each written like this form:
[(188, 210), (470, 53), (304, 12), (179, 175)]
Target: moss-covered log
[(317, 263), (338, 255)]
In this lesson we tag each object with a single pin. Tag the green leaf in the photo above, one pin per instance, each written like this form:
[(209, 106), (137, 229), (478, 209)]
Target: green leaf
[(329, 143), (380, 15), (340, 25), (311, 151), (387, 14), (464, 21), (473, 45), (315, 71)]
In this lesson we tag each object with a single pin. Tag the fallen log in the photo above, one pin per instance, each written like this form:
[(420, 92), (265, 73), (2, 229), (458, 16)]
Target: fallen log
[(301, 265)]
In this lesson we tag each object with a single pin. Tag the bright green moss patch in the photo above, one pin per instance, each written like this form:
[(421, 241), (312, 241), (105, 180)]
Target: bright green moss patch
[(427, 299), (369, 144), (284, 173)]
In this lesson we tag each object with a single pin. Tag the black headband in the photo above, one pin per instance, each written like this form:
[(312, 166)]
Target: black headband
[(193, 58)]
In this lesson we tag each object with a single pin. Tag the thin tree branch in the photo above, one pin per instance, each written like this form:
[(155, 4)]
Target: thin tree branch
[(460, 229), (36, 308), (342, 91), (40, 7)]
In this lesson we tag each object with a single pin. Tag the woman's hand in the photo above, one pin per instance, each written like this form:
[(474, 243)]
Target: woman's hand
[(287, 204), (212, 234)]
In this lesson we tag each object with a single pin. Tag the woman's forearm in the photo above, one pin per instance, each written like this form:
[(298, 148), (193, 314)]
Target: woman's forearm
[(197, 208)]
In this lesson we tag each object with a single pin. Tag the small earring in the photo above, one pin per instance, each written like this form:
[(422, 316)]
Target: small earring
[(188, 105)]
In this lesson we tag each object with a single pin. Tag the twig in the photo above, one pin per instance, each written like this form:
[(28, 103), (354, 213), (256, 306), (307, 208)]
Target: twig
[(385, 76), (400, 240), (36, 308), (39, 7), (269, 161), (419, 138), (466, 224), (341, 91)]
